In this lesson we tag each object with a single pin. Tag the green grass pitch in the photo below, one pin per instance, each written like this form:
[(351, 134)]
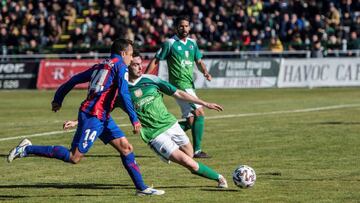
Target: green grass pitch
[(304, 145)]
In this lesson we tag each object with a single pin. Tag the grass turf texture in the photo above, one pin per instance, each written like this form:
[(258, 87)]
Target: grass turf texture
[(298, 157)]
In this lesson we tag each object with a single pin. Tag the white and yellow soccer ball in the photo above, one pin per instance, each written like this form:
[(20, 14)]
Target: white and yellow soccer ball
[(244, 176)]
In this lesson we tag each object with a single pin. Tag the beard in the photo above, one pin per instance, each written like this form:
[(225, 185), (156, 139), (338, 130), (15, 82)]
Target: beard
[(183, 34)]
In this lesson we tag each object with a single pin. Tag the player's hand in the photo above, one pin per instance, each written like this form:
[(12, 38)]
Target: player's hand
[(55, 106), (207, 76), (214, 106), (136, 127), (69, 124)]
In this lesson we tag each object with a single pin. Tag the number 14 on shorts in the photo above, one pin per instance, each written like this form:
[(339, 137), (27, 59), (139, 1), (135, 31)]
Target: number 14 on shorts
[(89, 136)]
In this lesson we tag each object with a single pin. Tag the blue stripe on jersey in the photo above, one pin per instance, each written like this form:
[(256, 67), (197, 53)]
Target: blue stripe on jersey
[(106, 80)]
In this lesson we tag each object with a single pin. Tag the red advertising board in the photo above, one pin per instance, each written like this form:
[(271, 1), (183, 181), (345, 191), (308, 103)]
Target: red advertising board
[(54, 72)]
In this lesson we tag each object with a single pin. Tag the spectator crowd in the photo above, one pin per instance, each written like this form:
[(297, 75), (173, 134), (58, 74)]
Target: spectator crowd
[(70, 26)]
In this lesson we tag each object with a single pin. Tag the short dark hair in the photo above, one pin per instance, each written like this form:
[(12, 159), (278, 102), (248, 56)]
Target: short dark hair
[(136, 53), (181, 18), (120, 45)]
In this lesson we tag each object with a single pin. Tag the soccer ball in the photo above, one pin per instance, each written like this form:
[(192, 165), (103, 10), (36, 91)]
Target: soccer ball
[(244, 176)]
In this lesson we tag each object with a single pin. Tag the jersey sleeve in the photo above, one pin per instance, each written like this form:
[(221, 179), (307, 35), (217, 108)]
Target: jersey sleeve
[(124, 97), (65, 88), (164, 51), (197, 55), (164, 86)]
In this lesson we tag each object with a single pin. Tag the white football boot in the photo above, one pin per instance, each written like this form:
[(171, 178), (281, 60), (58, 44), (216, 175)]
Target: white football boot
[(222, 183), (18, 151), (149, 191)]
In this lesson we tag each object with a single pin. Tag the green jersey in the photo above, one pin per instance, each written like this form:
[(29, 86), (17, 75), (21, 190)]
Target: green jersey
[(146, 94), (181, 57)]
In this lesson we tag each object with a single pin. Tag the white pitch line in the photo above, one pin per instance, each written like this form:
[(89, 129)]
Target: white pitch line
[(207, 118), (285, 112), (45, 134)]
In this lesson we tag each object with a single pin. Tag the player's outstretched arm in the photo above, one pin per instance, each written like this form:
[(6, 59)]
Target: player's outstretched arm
[(201, 66), (152, 65), (179, 94), (65, 88)]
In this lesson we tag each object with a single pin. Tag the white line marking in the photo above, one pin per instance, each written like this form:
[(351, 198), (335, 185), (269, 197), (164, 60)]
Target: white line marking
[(207, 118), (46, 133)]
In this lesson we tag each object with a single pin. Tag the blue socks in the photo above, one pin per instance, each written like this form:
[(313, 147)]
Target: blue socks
[(57, 152), (133, 170)]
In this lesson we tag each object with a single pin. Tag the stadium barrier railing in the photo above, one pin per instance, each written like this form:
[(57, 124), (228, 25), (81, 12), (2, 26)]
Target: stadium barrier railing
[(254, 69)]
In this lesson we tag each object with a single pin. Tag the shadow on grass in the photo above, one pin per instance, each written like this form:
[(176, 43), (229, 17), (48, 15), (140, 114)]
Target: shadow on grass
[(98, 156), (10, 197), (71, 186), (101, 186), (337, 123), (115, 155), (14, 197), (220, 190), (92, 186)]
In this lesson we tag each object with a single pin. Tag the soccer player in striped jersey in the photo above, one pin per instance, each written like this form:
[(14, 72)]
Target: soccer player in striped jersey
[(181, 54), (160, 129), (107, 81)]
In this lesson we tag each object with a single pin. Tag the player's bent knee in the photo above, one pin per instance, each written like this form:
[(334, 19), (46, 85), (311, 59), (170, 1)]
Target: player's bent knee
[(125, 147), (125, 150), (200, 112)]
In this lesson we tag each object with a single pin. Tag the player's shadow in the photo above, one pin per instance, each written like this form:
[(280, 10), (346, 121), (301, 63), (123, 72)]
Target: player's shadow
[(85, 186), (100, 156), (337, 123), (220, 190), (114, 155), (23, 197), (89, 186), (210, 188)]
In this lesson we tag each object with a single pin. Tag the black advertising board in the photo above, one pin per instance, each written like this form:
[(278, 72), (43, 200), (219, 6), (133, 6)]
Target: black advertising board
[(18, 75)]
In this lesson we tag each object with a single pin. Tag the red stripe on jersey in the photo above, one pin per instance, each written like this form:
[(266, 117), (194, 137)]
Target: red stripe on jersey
[(114, 60)]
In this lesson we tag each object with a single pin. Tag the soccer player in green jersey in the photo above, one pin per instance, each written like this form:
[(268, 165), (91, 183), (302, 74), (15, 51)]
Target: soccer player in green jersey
[(160, 129), (181, 54)]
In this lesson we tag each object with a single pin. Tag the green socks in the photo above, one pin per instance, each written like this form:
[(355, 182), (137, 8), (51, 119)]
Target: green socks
[(206, 172), (197, 132)]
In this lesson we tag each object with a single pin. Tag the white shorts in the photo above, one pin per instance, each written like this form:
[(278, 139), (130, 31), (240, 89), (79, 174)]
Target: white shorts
[(186, 107), (169, 141)]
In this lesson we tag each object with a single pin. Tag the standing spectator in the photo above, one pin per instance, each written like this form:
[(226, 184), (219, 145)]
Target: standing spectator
[(285, 28), (296, 43), (77, 38), (276, 45), (254, 8), (317, 50), (69, 16), (53, 30), (333, 16), (354, 41)]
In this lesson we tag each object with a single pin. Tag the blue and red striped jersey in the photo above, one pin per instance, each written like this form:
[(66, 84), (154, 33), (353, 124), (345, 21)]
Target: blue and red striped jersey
[(107, 80)]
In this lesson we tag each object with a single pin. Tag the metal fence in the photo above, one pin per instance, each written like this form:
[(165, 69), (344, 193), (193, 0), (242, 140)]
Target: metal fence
[(221, 54)]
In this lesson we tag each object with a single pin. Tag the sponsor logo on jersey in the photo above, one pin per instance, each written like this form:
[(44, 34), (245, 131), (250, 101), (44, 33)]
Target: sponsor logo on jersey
[(187, 54), (146, 100), (179, 48), (138, 93)]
